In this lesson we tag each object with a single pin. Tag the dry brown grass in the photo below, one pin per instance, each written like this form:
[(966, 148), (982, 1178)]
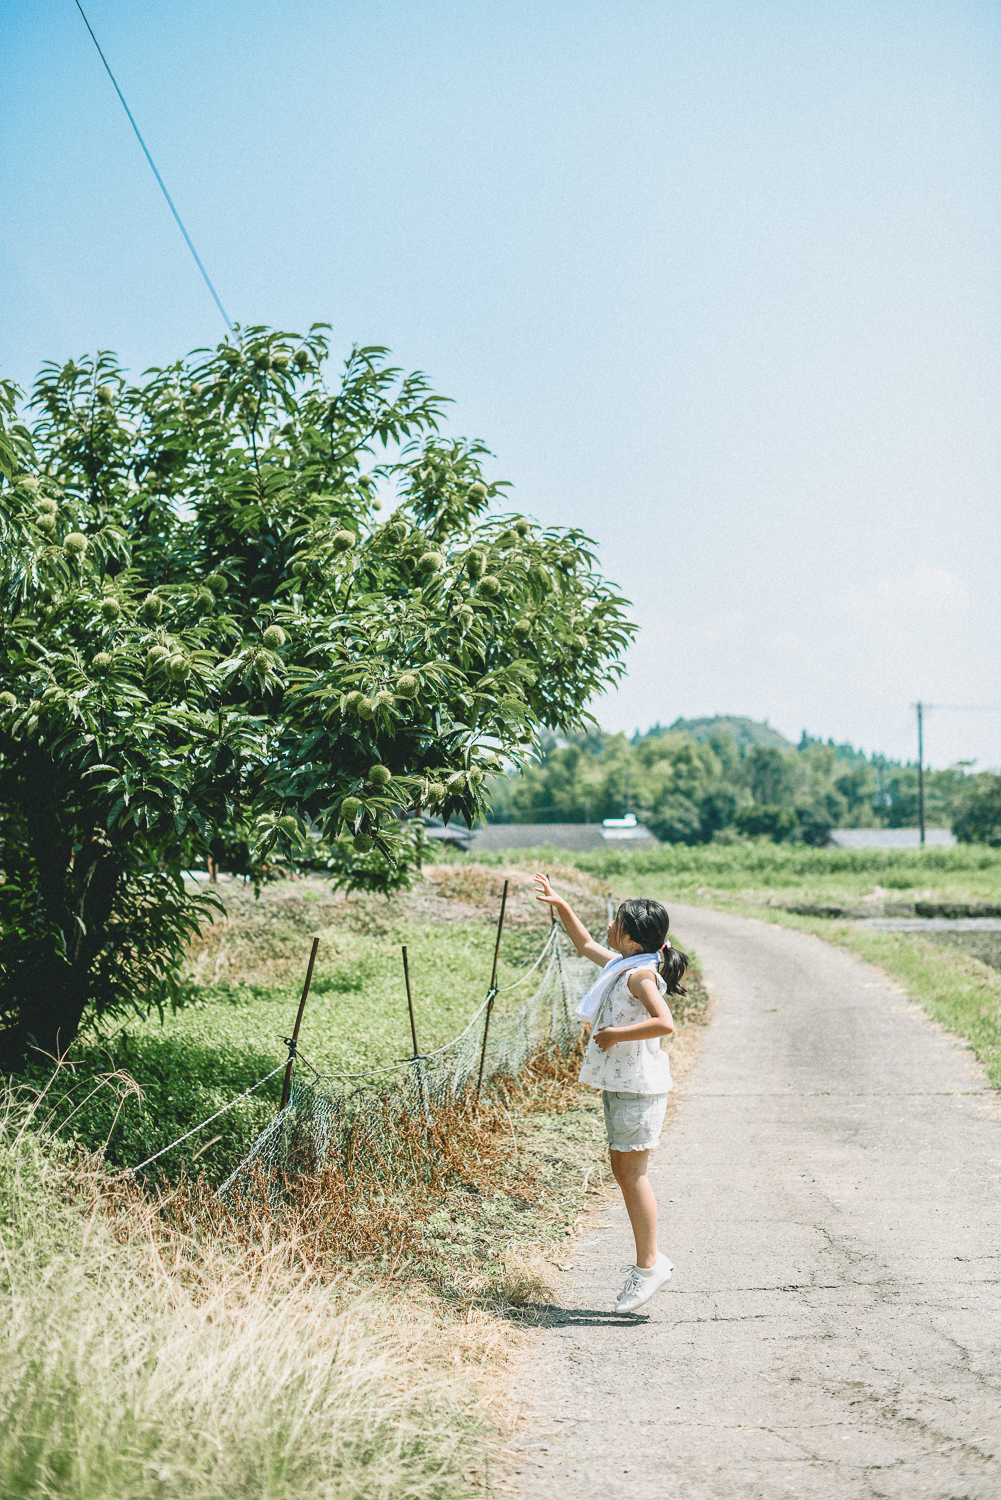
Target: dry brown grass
[(370, 1208), (528, 1277), (479, 887), (140, 1361), (373, 1206)]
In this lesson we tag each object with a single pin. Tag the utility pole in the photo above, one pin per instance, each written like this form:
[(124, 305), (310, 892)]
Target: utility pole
[(921, 772)]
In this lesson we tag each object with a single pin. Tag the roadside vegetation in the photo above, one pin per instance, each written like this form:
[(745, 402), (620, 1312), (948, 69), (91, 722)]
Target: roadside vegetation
[(242, 977), (142, 1363), (156, 1344), (512, 1174)]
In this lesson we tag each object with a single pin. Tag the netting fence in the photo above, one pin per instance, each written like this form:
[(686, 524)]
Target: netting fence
[(401, 1122)]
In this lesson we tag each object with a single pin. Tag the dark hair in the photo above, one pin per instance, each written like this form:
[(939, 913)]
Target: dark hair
[(647, 923)]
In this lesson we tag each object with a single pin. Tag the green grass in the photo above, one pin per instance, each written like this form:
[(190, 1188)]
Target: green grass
[(985, 946), (356, 1016), (763, 869)]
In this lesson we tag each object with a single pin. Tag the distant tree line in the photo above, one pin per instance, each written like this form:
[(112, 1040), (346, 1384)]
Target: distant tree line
[(693, 788)]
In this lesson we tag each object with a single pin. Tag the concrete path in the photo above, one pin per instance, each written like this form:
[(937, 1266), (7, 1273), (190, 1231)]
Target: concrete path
[(830, 1192)]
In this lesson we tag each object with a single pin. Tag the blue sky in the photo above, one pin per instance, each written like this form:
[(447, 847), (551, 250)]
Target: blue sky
[(718, 282)]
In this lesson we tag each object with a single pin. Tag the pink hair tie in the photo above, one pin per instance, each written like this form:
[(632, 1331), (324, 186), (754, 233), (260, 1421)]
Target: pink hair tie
[(664, 946)]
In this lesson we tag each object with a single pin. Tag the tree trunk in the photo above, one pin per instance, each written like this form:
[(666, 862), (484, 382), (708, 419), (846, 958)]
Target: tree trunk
[(51, 1002), (77, 893)]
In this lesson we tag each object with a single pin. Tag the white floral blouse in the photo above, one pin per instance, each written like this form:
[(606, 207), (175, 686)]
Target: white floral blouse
[(628, 1067)]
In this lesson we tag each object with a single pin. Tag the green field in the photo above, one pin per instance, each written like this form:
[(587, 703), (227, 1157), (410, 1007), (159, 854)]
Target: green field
[(763, 871)]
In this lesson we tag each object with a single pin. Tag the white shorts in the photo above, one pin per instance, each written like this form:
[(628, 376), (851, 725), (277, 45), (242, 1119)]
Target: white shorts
[(633, 1122)]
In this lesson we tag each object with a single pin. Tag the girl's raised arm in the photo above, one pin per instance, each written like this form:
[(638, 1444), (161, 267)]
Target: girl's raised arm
[(576, 931)]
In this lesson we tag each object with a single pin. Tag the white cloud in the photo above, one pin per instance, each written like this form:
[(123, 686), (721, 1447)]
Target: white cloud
[(893, 603)]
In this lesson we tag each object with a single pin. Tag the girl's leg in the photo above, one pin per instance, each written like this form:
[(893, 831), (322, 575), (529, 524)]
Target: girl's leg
[(629, 1168)]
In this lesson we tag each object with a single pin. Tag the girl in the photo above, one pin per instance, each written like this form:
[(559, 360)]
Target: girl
[(628, 1016)]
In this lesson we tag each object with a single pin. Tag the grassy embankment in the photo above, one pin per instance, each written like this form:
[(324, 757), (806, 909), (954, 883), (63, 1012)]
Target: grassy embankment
[(517, 1183), (530, 1161), (151, 1347), (150, 1351), (245, 976), (955, 976)]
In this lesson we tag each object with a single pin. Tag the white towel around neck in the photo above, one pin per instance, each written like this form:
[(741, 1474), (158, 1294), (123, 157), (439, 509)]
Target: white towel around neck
[(589, 1006)]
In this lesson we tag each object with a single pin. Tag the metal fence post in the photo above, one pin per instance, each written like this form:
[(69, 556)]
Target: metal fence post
[(422, 1087), (286, 1086), (492, 992), (410, 999)]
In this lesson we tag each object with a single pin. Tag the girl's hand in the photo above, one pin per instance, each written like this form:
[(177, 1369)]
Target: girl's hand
[(605, 1038), (545, 892), (575, 929)]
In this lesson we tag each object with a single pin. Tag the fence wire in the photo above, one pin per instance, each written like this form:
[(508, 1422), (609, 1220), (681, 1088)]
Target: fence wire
[(371, 1121)]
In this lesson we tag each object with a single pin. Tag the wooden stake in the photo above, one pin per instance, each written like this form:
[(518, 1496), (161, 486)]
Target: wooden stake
[(286, 1086), (491, 995), (500, 929)]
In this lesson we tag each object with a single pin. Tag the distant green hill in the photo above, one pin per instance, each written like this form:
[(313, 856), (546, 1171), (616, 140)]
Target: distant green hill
[(746, 732)]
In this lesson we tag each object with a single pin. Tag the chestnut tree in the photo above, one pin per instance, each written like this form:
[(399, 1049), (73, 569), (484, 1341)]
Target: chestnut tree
[(211, 640)]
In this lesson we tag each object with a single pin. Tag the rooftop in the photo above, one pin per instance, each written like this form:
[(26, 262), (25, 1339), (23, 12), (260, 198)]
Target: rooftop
[(889, 838), (579, 837)]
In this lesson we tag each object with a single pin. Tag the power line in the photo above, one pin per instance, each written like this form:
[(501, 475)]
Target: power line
[(156, 174)]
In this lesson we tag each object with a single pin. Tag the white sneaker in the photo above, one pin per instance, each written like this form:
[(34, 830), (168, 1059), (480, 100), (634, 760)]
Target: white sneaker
[(641, 1284)]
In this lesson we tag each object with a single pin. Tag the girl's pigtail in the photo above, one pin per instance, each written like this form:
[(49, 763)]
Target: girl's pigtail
[(673, 966)]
